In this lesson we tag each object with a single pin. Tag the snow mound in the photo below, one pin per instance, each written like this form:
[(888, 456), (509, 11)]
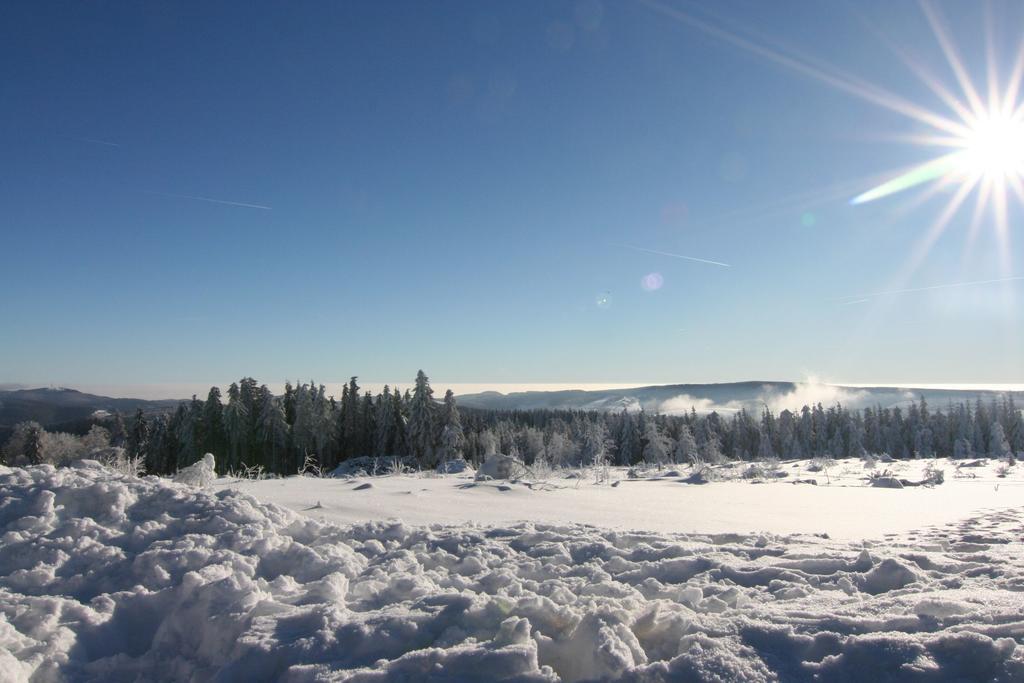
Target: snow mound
[(199, 473), (501, 467), (105, 577)]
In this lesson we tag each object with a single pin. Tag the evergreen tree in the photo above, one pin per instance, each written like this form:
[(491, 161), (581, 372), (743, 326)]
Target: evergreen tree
[(349, 418), (711, 450), (118, 432), (138, 438), (685, 450), (273, 433), (422, 429), (1000, 446), (237, 430), (655, 445), (400, 445), (452, 438), (35, 439), (288, 403), (215, 440), (630, 449), (367, 424), (384, 432)]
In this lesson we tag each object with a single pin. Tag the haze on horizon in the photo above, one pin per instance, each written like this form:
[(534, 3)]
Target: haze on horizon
[(581, 193)]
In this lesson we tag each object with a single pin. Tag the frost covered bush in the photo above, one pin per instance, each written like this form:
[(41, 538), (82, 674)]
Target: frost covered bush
[(933, 475), (768, 469), (311, 468), (30, 444), (248, 472), (118, 460), (201, 473)]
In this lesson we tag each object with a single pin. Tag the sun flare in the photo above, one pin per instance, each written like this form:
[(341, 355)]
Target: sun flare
[(980, 144), (994, 148)]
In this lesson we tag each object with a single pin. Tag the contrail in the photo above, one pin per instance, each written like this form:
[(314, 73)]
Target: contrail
[(96, 141), (864, 297), (209, 199), (666, 253)]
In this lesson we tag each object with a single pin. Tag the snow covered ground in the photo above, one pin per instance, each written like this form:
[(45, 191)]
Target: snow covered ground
[(841, 504), (104, 577)]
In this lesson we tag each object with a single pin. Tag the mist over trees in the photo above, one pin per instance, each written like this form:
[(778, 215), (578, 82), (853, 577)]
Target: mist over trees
[(255, 428)]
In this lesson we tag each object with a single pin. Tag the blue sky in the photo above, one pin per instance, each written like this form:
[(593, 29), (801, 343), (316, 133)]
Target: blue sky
[(456, 186)]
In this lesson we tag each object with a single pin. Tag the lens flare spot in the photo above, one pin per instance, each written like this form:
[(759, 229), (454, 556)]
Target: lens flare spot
[(603, 300), (652, 282), (808, 219)]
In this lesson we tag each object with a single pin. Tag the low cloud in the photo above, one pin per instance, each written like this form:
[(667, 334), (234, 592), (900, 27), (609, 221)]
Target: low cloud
[(813, 391), (684, 403), (808, 392)]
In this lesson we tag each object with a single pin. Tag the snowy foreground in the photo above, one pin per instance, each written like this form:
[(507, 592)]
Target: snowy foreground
[(109, 578)]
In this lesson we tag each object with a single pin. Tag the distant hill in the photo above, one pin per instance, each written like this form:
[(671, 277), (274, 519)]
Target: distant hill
[(54, 407), (724, 398)]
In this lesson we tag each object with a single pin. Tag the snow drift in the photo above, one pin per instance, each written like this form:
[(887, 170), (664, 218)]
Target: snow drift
[(104, 577)]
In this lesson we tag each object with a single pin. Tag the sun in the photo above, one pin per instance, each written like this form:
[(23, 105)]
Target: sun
[(976, 137), (979, 144), (994, 148)]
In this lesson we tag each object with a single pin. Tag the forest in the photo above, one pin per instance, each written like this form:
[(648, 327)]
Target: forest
[(281, 434)]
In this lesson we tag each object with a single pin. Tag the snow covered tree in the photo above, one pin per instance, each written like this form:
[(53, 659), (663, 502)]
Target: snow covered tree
[(452, 438), (288, 403), (273, 432), (711, 450), (400, 445), (25, 444), (214, 440), (304, 438), (488, 443), (685, 448), (534, 448), (561, 451), (384, 425), (189, 434), (367, 424), (138, 436), (236, 428), (962, 448), (656, 446), (764, 446), (118, 432), (999, 445), (596, 446), (98, 438), (422, 429), (629, 441), (323, 425)]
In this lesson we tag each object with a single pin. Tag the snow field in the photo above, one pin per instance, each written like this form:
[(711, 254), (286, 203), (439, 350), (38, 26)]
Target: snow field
[(104, 577), (841, 504)]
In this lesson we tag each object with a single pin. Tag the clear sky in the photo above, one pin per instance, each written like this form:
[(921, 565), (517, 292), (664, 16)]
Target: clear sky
[(492, 191)]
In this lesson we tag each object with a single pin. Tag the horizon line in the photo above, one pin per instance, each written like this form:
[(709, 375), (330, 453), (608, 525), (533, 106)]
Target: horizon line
[(174, 391)]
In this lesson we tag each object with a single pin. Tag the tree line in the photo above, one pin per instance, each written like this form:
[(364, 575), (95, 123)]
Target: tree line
[(255, 428)]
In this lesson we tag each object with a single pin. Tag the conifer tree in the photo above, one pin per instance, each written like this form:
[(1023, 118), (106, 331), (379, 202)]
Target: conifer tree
[(422, 428), (214, 440), (629, 441), (452, 438), (138, 438)]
